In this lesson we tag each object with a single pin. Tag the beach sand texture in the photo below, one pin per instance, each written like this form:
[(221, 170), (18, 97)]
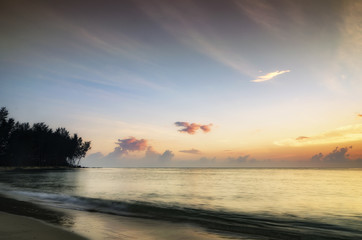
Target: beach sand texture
[(19, 227)]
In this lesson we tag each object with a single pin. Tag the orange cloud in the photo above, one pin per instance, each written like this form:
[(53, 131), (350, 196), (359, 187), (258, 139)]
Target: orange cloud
[(191, 128), (343, 134), (301, 138), (359, 115), (206, 128), (269, 76)]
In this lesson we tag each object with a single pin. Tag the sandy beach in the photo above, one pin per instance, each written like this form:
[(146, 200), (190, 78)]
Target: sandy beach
[(24, 220), (20, 227)]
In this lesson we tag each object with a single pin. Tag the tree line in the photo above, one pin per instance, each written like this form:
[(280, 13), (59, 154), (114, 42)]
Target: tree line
[(38, 145)]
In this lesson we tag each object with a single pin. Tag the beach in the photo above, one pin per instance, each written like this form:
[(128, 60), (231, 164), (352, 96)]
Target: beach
[(20, 227), (25, 220)]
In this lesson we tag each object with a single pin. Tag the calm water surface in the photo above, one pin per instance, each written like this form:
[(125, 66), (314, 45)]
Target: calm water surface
[(262, 203)]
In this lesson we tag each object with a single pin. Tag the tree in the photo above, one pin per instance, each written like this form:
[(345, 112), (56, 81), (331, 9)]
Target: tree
[(6, 126), (39, 145)]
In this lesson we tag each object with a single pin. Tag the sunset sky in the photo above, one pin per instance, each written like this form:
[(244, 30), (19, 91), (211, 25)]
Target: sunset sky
[(188, 82)]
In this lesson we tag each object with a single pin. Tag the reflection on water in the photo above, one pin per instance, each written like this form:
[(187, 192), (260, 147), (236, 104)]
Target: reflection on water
[(311, 196), (301, 192), (47, 181), (100, 226), (304, 192)]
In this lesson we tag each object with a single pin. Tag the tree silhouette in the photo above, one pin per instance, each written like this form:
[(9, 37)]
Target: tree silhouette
[(39, 145)]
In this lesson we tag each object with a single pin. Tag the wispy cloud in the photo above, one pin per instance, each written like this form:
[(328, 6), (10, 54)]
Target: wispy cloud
[(345, 69), (351, 38), (191, 128), (343, 134), (268, 15), (269, 76), (359, 115), (301, 138), (261, 12), (191, 24), (191, 151), (92, 52)]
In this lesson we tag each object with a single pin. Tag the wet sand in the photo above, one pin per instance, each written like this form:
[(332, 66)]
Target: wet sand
[(15, 227), (24, 220)]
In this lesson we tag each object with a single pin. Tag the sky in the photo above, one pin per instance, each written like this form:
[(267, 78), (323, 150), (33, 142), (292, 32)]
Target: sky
[(190, 83)]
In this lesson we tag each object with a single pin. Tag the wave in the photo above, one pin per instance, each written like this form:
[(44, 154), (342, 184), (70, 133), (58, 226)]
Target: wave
[(263, 225)]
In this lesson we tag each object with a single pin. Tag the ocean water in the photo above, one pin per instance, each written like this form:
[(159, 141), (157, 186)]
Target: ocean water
[(197, 203)]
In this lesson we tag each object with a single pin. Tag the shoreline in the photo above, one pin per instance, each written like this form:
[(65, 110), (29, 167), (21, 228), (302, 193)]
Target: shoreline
[(14, 168), (25, 220), (28, 209), (22, 220), (17, 227)]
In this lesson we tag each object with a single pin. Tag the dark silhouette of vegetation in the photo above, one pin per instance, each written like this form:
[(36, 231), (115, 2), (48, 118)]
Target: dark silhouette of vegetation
[(38, 145)]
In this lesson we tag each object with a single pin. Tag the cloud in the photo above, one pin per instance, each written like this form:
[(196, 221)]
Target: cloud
[(261, 13), (151, 153), (317, 158), (154, 156), (267, 15), (192, 23), (117, 158), (269, 76), (191, 151), (359, 115), (132, 144), (343, 134), (166, 156), (206, 128), (126, 145), (351, 40), (191, 128), (338, 157), (240, 159), (301, 138), (347, 61)]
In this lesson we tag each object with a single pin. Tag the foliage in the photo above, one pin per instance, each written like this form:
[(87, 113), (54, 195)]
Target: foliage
[(39, 145)]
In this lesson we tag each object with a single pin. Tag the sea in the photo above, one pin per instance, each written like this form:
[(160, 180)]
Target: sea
[(197, 203)]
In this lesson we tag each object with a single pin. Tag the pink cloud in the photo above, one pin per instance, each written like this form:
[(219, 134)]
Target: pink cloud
[(132, 144), (206, 128), (191, 128), (301, 138)]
